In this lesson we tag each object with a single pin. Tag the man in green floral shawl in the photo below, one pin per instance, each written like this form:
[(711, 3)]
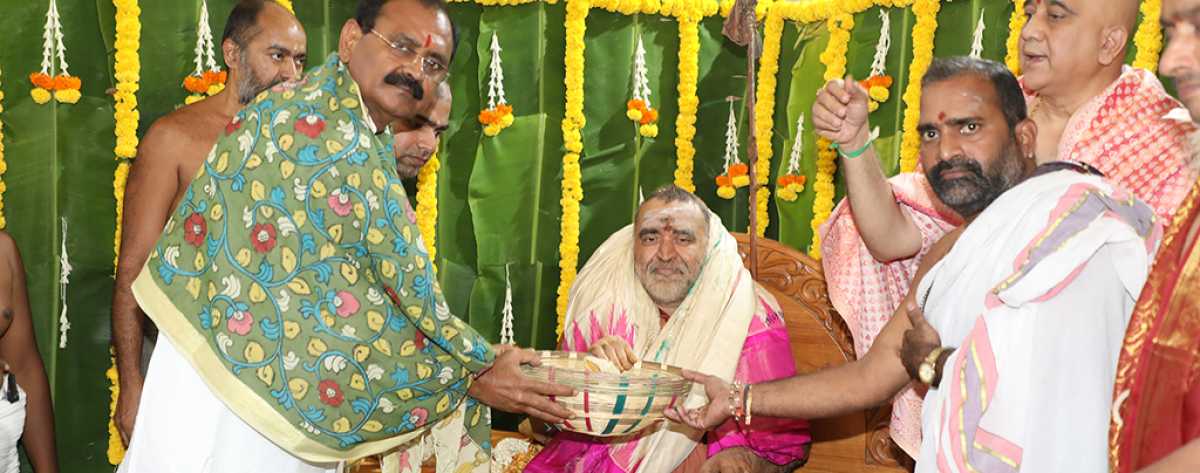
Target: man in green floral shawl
[(301, 322)]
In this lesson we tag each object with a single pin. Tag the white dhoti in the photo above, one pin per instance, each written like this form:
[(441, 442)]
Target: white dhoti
[(12, 425), (1035, 297), (183, 428)]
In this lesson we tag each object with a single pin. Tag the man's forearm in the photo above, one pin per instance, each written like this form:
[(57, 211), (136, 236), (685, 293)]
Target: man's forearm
[(127, 329), (38, 436), (884, 229), (826, 393)]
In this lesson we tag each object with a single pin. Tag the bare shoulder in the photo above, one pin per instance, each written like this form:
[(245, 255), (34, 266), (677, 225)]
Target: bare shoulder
[(188, 125), (10, 256)]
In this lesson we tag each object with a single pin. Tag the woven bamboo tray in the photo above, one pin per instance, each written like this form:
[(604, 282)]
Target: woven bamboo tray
[(610, 404)]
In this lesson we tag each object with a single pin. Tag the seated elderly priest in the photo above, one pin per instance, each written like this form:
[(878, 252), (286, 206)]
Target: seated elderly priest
[(671, 288)]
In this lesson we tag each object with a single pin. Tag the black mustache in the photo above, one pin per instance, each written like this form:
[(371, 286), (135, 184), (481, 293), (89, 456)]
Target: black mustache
[(405, 80), (959, 163)]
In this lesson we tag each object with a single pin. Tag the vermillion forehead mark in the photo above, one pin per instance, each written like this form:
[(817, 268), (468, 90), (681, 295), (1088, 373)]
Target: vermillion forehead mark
[(429, 39), (942, 115)]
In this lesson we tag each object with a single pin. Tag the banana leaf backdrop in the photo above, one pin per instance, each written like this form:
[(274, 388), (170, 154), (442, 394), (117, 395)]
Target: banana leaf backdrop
[(498, 197)]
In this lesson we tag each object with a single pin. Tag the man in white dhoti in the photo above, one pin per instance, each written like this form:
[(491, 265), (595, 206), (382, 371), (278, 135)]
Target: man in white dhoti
[(1030, 297)]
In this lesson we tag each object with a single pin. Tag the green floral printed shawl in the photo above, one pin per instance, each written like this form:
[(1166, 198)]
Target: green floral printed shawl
[(293, 277)]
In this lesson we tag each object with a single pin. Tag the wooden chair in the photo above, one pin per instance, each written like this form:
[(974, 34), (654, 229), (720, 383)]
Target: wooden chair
[(852, 443)]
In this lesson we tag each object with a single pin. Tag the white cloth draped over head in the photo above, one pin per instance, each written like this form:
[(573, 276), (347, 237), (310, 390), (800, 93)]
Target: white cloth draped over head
[(706, 333)]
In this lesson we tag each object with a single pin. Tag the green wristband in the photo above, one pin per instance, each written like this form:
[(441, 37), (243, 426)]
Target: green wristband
[(856, 153)]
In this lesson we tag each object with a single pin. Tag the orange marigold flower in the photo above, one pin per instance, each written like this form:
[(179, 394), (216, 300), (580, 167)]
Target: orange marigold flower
[(503, 109), (487, 116), (63, 82), (42, 80), (784, 180), (739, 169), (214, 77), (724, 181), (649, 116), (636, 104), (195, 84)]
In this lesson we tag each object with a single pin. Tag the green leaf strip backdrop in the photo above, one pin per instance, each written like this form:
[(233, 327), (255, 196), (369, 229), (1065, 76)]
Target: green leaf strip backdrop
[(498, 198)]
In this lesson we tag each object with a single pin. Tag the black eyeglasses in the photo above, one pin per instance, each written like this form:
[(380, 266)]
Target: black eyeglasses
[(433, 68)]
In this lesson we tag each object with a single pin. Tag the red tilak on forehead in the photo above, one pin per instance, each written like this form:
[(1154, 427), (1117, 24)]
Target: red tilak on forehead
[(942, 116), (428, 40)]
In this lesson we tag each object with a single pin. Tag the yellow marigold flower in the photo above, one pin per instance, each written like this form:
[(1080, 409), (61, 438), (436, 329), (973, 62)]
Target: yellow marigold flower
[(880, 94), (191, 99), (67, 95), (741, 181), (40, 95), (491, 130), (726, 192), (872, 106), (649, 131), (506, 120), (634, 114)]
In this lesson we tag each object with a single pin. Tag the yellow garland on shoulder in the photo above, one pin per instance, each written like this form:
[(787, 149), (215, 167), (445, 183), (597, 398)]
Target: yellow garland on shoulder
[(572, 128), (127, 71), (427, 206), (685, 122), (1016, 23), (834, 59), (764, 115), (926, 12), (288, 5), (3, 166), (1149, 39)]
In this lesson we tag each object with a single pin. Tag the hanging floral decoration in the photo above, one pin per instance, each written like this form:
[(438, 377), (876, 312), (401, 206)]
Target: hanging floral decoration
[(764, 112), (1016, 23), (638, 109), (427, 206), (506, 312), (685, 121), (1149, 38), (878, 84), (208, 79), (127, 72), (288, 5), (3, 164), (923, 32), (572, 127), (498, 115), (791, 183), (977, 37), (62, 86), (737, 173)]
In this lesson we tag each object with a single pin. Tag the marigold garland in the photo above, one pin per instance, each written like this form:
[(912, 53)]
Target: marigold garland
[(127, 71), (3, 165), (1016, 23), (764, 114), (427, 205), (1149, 39), (926, 12), (834, 59), (572, 128), (685, 122)]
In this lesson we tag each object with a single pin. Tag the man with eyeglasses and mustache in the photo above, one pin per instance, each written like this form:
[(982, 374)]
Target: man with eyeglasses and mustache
[(1155, 427), (1089, 107), (301, 325), (1015, 319), (264, 45)]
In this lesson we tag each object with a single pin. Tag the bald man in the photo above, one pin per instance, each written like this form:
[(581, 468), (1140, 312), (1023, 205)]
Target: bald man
[(263, 45), (1088, 107)]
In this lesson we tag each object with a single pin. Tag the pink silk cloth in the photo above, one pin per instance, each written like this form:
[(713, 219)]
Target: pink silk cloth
[(1124, 132), (766, 356)]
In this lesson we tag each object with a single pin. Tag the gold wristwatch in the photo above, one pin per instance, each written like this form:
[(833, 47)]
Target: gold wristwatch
[(927, 372)]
